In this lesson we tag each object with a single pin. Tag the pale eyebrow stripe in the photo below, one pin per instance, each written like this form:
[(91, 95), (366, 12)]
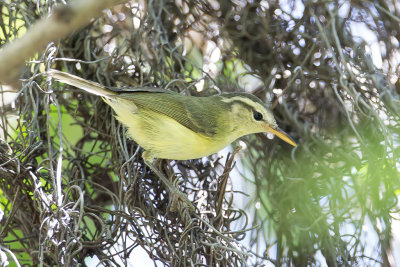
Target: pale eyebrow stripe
[(245, 101)]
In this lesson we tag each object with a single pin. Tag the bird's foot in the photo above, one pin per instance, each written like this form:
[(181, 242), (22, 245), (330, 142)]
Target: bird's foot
[(179, 201)]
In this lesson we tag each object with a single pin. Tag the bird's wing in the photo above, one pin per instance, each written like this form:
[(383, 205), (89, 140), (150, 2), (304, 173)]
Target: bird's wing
[(175, 106), (190, 112)]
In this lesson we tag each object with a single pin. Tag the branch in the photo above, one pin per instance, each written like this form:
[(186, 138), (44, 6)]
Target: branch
[(62, 22)]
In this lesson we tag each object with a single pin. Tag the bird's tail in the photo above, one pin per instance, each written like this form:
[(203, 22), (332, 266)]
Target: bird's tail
[(89, 86)]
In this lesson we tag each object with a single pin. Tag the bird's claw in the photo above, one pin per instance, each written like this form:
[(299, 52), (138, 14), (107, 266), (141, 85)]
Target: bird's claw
[(179, 200)]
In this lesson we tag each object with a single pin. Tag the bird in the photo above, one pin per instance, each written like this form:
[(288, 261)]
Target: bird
[(170, 125)]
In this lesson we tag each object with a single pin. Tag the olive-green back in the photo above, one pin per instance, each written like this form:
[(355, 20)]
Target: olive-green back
[(200, 114)]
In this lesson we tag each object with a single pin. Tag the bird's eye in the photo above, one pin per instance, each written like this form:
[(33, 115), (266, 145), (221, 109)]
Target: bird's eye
[(257, 115)]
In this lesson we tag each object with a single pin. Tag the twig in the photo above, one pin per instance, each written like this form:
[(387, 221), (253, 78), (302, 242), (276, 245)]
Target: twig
[(62, 22)]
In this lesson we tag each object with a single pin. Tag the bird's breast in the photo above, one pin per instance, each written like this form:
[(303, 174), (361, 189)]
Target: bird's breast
[(165, 138)]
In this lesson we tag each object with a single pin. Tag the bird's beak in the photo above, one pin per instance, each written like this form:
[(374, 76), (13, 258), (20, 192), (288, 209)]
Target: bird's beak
[(281, 134)]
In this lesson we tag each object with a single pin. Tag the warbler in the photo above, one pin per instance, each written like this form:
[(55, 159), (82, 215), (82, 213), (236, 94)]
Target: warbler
[(169, 125)]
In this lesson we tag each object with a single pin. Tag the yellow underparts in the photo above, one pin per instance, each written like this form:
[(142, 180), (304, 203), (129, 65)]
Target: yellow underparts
[(163, 137)]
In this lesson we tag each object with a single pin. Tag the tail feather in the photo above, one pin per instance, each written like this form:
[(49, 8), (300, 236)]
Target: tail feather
[(89, 86)]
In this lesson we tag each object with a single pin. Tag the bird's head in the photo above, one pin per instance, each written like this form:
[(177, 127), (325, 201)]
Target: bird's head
[(250, 115)]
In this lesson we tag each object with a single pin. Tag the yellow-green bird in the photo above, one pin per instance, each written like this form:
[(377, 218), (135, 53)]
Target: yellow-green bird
[(169, 125)]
